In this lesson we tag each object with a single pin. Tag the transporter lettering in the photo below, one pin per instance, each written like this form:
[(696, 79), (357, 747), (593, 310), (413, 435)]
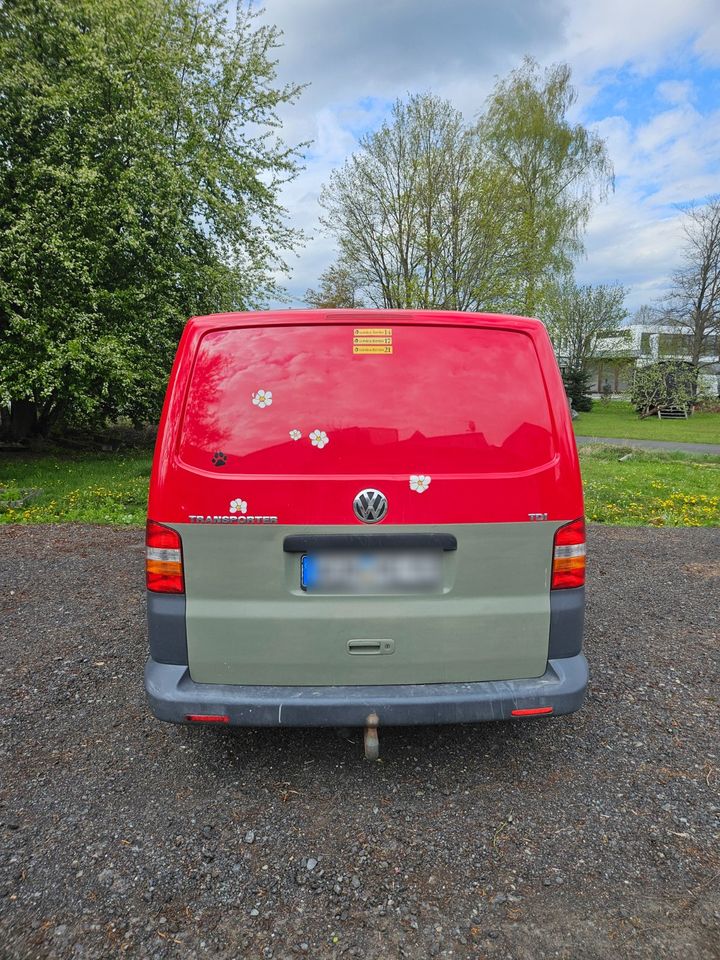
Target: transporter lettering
[(206, 518)]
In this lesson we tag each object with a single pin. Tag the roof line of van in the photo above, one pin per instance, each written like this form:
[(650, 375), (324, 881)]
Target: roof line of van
[(272, 317)]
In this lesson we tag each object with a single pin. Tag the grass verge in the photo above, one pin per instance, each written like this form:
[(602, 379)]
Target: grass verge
[(658, 488), (92, 488), (622, 486), (619, 419)]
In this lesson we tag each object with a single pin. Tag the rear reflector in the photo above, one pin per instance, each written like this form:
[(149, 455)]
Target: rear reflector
[(568, 569), (531, 712), (163, 559), (207, 717)]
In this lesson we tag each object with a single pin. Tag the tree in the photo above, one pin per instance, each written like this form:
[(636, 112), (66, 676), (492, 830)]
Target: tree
[(580, 320), (417, 215), (693, 304), (552, 171), (139, 177), (339, 288)]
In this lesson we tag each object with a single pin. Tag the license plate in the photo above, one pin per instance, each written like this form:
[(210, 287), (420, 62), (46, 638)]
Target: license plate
[(418, 571)]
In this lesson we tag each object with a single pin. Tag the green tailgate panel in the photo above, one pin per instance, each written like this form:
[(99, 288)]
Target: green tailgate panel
[(249, 622)]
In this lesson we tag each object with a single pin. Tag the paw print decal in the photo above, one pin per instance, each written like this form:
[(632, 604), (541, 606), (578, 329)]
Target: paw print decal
[(219, 459)]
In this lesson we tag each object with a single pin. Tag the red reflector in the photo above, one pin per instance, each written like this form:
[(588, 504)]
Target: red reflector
[(207, 717), (531, 712), (568, 568), (163, 559)]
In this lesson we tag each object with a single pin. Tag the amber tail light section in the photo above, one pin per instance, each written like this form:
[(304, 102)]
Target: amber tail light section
[(163, 559), (568, 568)]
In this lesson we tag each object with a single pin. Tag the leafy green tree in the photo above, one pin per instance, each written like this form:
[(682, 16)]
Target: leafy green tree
[(552, 173), (339, 288), (139, 176), (415, 214)]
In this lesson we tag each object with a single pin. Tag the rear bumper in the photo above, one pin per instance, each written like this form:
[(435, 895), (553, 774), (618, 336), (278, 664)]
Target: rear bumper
[(172, 695)]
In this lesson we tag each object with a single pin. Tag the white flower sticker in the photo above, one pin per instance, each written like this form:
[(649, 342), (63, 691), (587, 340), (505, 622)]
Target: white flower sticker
[(262, 399), (319, 438), (295, 434), (238, 506), (419, 482)]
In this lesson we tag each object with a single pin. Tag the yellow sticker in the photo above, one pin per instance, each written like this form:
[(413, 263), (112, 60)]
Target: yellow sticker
[(372, 332), (385, 340), (370, 348)]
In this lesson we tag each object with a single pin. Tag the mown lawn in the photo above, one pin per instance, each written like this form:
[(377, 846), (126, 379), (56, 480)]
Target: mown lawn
[(619, 419), (658, 488)]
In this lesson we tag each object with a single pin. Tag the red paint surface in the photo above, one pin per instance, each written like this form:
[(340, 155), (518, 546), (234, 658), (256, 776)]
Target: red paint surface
[(475, 401)]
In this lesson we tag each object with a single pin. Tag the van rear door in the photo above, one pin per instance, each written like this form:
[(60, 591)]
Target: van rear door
[(285, 424)]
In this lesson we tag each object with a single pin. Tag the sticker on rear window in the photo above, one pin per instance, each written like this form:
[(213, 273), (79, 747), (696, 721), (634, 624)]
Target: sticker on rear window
[(377, 340)]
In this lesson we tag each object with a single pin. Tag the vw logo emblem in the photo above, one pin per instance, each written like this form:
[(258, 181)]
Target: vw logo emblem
[(370, 505)]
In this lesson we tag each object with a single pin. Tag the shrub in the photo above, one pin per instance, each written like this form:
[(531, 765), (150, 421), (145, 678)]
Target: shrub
[(578, 389), (666, 383)]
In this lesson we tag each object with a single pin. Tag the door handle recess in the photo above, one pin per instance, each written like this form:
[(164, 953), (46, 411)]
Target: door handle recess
[(367, 648)]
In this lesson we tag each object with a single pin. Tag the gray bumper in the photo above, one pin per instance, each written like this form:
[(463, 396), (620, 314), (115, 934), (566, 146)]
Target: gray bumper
[(172, 695)]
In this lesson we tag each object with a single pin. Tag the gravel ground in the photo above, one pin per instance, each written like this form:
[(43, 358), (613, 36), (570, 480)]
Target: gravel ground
[(591, 836)]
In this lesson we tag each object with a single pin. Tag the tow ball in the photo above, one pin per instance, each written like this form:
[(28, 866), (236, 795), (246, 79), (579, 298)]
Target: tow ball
[(372, 744)]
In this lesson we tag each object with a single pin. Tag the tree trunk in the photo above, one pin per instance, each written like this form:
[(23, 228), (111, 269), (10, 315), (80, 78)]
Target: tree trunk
[(25, 419)]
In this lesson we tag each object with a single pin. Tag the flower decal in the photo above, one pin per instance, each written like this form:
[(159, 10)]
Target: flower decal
[(262, 399), (238, 506), (319, 438), (218, 459), (295, 434), (419, 482)]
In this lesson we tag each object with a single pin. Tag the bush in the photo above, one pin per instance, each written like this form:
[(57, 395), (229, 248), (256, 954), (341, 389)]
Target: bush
[(666, 383), (578, 390)]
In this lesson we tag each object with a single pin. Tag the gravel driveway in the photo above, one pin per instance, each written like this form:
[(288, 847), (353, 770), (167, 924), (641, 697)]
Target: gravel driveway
[(592, 836)]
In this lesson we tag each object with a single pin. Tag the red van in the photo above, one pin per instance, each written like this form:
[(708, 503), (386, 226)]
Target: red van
[(363, 518)]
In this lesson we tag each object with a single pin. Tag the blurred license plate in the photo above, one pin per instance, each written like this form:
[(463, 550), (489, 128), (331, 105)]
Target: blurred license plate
[(387, 572)]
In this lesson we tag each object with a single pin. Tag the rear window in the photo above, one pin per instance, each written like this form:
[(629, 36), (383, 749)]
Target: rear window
[(300, 400)]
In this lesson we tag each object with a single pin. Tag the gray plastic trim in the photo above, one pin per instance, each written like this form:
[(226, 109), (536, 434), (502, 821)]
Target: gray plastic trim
[(172, 695), (166, 627), (567, 616)]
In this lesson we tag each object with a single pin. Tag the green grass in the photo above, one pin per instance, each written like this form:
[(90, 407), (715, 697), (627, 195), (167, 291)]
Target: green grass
[(619, 419), (657, 488), (93, 488)]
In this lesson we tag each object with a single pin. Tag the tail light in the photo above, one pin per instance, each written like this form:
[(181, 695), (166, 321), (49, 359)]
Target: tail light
[(568, 569), (163, 559), (207, 717), (531, 712)]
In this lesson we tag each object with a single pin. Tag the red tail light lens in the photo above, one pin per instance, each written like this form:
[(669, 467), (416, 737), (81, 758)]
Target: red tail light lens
[(207, 718), (532, 712), (163, 559), (568, 569)]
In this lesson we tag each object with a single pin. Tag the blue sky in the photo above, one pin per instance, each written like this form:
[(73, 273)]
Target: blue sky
[(648, 80)]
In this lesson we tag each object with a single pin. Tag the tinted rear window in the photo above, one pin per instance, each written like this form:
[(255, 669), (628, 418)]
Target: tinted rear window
[(446, 400)]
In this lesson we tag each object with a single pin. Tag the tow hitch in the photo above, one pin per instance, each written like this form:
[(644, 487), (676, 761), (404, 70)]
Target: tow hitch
[(372, 745)]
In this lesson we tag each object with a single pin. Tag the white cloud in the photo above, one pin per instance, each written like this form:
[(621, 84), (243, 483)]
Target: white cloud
[(676, 91)]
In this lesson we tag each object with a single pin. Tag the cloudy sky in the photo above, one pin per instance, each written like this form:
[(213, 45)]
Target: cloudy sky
[(647, 74)]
